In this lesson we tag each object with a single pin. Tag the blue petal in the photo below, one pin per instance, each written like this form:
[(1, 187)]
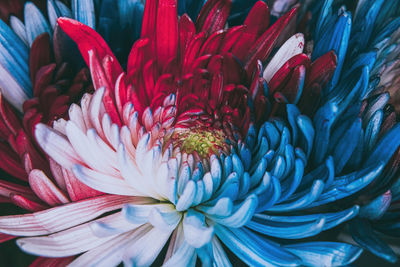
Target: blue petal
[(83, 11), (385, 148), (287, 230), (325, 253), (241, 215), (363, 234), (254, 250)]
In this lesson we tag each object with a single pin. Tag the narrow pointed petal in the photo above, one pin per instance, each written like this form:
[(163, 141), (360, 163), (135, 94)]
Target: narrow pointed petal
[(87, 39)]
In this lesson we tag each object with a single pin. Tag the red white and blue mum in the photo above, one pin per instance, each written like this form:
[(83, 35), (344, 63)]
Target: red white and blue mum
[(207, 139)]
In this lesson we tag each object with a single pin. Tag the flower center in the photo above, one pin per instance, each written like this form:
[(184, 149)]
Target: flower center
[(204, 142)]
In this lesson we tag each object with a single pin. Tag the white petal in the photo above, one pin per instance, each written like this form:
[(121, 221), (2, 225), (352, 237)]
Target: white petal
[(103, 182), (88, 151), (56, 146), (197, 234), (76, 115), (293, 46), (95, 108), (182, 257), (19, 28), (11, 90), (109, 253), (85, 104), (146, 249)]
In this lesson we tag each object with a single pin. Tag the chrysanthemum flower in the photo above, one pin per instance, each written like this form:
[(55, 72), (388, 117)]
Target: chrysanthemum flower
[(212, 142)]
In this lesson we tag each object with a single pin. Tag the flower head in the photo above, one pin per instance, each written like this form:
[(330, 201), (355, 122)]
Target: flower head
[(211, 135)]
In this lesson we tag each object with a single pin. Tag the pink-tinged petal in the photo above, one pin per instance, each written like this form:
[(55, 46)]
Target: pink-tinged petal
[(213, 16), (166, 31), (256, 23), (76, 189), (51, 262), (264, 44), (63, 244), (56, 171), (186, 32), (5, 238), (107, 254), (103, 182), (62, 217), (56, 146), (45, 189), (26, 203), (88, 39), (120, 92), (39, 55)]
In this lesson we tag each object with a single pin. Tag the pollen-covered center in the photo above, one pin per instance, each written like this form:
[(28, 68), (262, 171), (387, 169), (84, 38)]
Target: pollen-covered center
[(203, 142)]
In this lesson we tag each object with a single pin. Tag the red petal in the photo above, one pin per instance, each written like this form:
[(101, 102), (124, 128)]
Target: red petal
[(51, 262), (10, 162), (256, 24), (264, 45), (322, 69), (101, 79), (136, 56), (281, 77), (88, 39), (149, 77), (44, 76), (167, 31), (186, 33), (231, 38), (192, 51), (213, 16), (39, 54), (4, 237), (9, 117), (149, 20), (212, 44)]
